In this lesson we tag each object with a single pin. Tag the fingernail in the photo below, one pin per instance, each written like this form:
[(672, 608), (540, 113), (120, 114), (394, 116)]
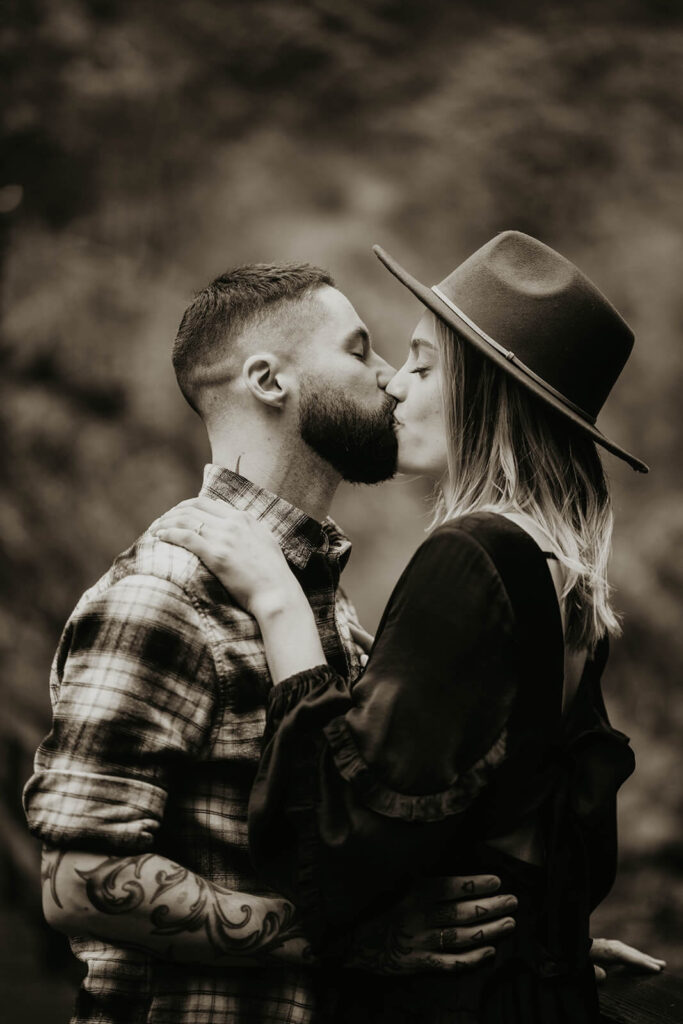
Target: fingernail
[(511, 902), (493, 883), (507, 925), (488, 953)]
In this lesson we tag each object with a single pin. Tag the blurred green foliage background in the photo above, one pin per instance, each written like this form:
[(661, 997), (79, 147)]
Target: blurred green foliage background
[(147, 146)]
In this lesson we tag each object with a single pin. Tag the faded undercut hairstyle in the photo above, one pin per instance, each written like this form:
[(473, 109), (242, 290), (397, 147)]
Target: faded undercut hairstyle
[(221, 311), (509, 452)]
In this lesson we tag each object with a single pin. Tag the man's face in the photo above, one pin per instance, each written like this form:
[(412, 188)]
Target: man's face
[(345, 416)]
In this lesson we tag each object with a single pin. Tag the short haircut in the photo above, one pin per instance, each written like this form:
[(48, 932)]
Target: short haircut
[(220, 312)]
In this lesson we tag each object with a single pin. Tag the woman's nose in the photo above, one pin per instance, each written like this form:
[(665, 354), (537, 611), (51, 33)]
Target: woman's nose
[(395, 388)]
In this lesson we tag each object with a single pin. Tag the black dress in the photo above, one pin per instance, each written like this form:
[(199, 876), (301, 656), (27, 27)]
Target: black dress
[(452, 736)]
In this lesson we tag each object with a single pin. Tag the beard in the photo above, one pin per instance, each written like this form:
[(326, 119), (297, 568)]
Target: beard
[(358, 442)]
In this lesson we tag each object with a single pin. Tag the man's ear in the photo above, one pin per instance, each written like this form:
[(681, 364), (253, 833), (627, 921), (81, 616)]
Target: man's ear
[(262, 375)]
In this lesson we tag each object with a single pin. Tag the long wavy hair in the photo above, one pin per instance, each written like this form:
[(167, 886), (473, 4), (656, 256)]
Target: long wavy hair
[(508, 452)]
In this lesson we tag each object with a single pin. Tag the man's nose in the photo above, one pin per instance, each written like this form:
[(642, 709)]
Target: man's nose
[(385, 373)]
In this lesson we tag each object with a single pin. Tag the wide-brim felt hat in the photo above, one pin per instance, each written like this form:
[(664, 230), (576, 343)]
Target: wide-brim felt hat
[(540, 319)]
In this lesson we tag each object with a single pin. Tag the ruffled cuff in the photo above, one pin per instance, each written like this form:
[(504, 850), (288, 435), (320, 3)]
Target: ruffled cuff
[(284, 696), (379, 797)]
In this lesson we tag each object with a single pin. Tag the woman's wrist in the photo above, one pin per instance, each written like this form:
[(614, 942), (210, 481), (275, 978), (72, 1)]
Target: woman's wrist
[(290, 634), (276, 603)]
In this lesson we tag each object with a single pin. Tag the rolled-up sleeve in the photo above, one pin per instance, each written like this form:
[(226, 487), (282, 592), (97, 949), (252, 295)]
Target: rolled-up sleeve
[(360, 786), (133, 690)]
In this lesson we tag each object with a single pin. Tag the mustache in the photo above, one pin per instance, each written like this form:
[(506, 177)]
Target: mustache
[(389, 405)]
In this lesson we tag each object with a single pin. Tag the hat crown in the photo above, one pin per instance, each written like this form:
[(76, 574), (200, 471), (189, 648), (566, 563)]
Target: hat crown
[(536, 304), (534, 269)]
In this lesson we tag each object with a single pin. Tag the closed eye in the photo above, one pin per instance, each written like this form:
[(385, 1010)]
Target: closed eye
[(358, 344), (421, 370)]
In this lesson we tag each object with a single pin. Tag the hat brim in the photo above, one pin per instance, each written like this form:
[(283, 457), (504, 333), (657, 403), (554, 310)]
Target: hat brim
[(432, 301)]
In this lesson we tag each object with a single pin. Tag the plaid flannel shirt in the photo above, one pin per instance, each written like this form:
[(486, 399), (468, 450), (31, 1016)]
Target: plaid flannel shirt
[(159, 688)]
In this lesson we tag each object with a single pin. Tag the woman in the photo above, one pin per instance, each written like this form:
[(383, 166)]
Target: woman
[(476, 737)]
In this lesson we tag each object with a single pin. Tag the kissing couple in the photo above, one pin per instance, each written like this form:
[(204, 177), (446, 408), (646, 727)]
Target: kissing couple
[(252, 811)]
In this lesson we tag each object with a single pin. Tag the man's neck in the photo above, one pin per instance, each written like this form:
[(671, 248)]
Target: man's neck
[(299, 476)]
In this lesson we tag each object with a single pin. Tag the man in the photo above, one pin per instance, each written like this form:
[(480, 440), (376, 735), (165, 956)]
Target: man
[(159, 688)]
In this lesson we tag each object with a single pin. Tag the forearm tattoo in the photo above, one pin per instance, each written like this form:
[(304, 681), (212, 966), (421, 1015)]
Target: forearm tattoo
[(48, 871), (172, 902)]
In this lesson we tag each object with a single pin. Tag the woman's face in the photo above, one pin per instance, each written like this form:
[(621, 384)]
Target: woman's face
[(420, 426)]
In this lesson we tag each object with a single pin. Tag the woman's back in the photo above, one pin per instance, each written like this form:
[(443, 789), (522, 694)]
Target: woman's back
[(574, 660)]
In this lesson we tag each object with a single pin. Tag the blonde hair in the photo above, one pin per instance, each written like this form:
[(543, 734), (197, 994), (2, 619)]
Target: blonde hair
[(508, 452)]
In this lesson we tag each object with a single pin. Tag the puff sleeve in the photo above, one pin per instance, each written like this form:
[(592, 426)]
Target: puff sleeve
[(360, 786)]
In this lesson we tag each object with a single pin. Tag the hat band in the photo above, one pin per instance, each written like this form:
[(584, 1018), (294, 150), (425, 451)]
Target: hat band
[(512, 358)]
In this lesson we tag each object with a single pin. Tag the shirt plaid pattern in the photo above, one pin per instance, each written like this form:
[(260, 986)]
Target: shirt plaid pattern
[(159, 688)]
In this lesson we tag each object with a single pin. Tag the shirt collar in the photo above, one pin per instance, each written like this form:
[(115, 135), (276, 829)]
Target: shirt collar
[(298, 534)]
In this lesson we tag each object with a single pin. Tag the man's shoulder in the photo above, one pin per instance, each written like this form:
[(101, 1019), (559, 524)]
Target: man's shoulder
[(156, 560), (152, 570)]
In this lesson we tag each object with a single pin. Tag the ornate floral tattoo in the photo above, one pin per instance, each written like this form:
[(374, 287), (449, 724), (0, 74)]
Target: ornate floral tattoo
[(117, 886)]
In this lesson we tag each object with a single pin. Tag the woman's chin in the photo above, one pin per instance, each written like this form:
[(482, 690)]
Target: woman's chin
[(411, 464), (412, 467)]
